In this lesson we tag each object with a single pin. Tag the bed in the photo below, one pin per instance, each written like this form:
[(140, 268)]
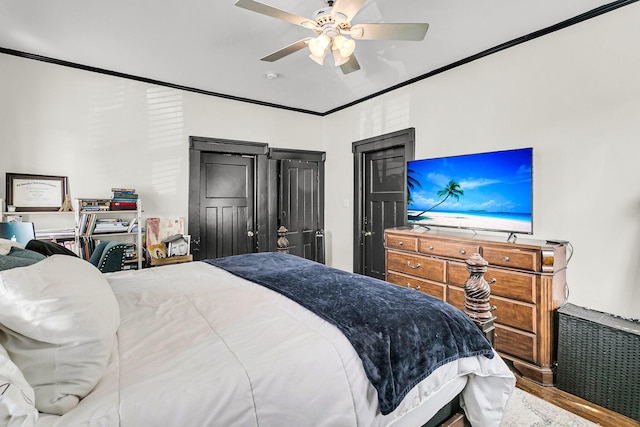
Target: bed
[(229, 342)]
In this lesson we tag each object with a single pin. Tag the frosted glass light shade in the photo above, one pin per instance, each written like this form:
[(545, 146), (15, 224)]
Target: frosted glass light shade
[(319, 45), (319, 58), (344, 45), (338, 58)]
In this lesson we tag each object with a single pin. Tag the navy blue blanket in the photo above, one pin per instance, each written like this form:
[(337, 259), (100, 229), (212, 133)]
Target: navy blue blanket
[(400, 335)]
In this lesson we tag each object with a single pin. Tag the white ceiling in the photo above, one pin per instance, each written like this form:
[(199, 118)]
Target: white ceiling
[(214, 46)]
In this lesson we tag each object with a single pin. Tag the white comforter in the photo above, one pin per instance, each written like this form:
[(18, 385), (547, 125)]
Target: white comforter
[(198, 346)]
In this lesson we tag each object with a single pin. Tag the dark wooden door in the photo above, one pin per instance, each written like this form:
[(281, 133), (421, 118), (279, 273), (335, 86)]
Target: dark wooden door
[(300, 208), (379, 196), (384, 204), (227, 211)]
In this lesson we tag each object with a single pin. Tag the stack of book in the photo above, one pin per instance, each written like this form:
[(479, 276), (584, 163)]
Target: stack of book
[(94, 204), (86, 246), (131, 256), (90, 224), (124, 199), (86, 224), (110, 225)]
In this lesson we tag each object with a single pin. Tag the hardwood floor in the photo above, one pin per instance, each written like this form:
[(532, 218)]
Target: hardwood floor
[(584, 408)]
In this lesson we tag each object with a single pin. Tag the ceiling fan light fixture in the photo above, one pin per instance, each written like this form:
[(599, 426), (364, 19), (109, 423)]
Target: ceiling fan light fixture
[(331, 24), (338, 58), (318, 46), (319, 58), (344, 45)]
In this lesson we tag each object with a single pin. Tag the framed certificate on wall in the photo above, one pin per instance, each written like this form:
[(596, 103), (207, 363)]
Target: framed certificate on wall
[(32, 193)]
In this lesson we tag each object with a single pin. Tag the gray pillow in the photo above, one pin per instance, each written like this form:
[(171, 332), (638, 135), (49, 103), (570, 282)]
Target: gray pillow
[(25, 253), (8, 262)]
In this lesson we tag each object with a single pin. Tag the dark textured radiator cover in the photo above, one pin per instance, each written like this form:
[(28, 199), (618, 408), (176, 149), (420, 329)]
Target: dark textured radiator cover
[(599, 359)]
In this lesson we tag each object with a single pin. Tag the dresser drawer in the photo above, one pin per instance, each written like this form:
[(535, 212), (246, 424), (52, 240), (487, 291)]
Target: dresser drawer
[(405, 243), (512, 284), (515, 314), (509, 340), (509, 284), (511, 313), (416, 265), (448, 249), (514, 258), (430, 288), (516, 343)]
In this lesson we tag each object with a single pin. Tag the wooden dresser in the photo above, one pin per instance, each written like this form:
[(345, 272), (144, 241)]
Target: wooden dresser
[(527, 286)]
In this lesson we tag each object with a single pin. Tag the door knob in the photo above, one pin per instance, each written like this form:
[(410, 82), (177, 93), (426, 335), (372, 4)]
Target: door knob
[(250, 233), (195, 244)]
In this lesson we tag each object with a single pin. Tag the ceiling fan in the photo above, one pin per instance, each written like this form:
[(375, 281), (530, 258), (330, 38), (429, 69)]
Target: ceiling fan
[(332, 25)]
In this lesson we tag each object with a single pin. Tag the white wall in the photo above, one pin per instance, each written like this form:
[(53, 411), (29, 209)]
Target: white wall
[(105, 132), (573, 95)]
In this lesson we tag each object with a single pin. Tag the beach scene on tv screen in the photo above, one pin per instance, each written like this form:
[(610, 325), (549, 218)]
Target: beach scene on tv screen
[(485, 191)]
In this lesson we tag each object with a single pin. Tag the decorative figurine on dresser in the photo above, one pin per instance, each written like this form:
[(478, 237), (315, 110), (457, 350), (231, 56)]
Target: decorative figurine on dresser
[(528, 282)]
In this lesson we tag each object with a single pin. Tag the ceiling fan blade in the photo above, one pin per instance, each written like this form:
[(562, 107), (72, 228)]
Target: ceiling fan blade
[(287, 50), (349, 8), (264, 9), (350, 66), (415, 32)]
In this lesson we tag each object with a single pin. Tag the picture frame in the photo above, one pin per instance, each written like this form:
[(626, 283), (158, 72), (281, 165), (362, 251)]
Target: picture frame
[(179, 245), (35, 193)]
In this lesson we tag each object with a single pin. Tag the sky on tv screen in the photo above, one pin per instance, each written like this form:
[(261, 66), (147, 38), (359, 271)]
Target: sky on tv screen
[(496, 182)]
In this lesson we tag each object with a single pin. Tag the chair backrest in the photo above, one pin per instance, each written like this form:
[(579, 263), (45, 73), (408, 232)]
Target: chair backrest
[(109, 256), (20, 232)]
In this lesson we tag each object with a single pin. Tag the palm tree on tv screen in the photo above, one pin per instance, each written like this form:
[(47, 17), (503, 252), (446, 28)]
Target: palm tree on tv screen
[(412, 183), (452, 189)]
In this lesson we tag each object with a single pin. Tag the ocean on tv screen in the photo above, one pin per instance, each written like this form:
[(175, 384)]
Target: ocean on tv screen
[(512, 222)]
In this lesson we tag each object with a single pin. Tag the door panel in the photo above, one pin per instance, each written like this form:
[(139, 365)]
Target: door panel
[(379, 195), (384, 204), (300, 206), (226, 205)]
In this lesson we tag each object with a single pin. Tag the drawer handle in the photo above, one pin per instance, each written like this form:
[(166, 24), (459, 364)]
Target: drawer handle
[(417, 287), (409, 285), (493, 280), (400, 243), (413, 266), (505, 258), (430, 247), (462, 251)]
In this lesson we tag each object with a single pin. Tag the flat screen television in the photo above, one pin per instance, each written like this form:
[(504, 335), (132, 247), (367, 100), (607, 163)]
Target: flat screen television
[(484, 191)]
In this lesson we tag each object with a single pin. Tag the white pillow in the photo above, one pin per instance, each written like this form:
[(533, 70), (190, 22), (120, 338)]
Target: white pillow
[(59, 318), (16, 395)]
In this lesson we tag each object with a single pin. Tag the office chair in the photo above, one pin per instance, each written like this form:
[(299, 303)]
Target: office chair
[(20, 232), (109, 256)]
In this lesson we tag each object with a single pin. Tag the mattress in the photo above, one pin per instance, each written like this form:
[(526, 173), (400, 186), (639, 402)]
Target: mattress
[(199, 346)]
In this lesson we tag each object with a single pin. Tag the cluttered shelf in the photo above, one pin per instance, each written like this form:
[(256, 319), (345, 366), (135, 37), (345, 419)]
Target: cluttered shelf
[(100, 218), (54, 225)]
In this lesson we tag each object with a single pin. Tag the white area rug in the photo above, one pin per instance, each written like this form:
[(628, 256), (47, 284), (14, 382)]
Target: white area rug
[(524, 409)]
